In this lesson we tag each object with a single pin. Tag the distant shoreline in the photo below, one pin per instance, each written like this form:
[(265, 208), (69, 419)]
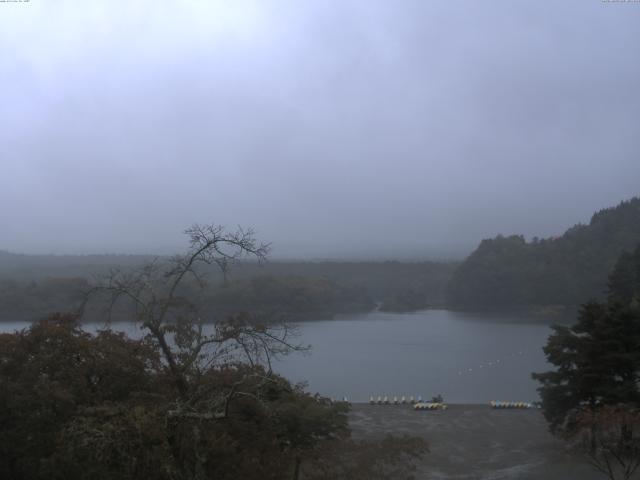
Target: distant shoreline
[(562, 314)]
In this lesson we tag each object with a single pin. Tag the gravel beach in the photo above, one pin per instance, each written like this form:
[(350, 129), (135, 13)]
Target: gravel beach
[(476, 442)]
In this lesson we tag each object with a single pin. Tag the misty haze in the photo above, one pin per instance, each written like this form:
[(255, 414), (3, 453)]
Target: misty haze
[(320, 240)]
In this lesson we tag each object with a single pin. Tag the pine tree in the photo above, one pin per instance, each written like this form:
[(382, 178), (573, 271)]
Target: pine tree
[(592, 399), (598, 359)]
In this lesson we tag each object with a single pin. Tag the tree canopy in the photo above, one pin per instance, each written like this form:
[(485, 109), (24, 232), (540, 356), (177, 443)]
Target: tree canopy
[(508, 271), (592, 398), (598, 359), (75, 405)]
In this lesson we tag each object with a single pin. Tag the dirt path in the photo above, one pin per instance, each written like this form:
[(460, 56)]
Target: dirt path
[(475, 442)]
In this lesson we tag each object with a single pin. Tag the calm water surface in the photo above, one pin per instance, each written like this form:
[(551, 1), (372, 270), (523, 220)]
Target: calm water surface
[(467, 358)]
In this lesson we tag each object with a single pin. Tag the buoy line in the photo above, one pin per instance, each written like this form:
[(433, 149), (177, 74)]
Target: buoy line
[(493, 363)]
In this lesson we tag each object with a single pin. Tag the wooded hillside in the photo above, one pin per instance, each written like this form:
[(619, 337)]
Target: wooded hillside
[(508, 271)]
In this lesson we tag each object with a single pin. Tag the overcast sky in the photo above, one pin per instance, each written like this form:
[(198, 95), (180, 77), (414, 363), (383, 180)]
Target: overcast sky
[(338, 129)]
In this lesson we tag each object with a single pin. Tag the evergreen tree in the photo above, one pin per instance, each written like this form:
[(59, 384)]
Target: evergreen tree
[(592, 399), (598, 358)]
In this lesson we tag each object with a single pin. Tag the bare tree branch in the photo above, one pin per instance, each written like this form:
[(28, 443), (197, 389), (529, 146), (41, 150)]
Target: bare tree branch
[(171, 319)]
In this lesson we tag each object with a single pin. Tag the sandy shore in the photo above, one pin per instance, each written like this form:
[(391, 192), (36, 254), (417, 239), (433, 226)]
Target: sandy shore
[(476, 442)]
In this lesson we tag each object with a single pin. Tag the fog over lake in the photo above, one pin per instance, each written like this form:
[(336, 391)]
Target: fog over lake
[(338, 129), (465, 357), (225, 217)]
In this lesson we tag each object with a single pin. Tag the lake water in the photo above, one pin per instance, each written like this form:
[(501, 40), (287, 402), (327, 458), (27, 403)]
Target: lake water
[(467, 358)]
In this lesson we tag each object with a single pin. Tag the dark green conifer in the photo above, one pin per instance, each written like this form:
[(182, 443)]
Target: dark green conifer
[(598, 359)]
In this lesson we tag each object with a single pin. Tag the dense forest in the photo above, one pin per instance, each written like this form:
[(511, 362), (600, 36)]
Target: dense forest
[(265, 296), (285, 297), (503, 272), (591, 398), (509, 271), (31, 286), (588, 374)]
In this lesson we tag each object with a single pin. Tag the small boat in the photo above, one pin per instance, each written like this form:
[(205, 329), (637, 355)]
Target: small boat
[(430, 406)]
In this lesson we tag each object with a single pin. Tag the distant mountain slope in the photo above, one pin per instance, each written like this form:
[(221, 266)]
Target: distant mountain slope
[(32, 267), (31, 286), (569, 270)]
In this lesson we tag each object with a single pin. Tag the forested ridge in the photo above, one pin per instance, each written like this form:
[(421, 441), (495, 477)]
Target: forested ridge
[(508, 271), (503, 272), (31, 286)]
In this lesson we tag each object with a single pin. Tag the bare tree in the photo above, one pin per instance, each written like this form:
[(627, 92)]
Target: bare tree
[(609, 437), (200, 358), (165, 306)]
